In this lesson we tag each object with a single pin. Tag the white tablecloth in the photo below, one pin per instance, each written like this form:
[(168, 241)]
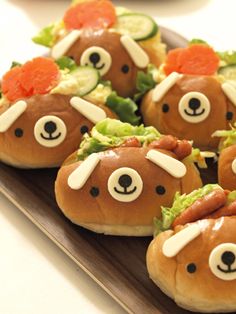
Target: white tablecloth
[(35, 276)]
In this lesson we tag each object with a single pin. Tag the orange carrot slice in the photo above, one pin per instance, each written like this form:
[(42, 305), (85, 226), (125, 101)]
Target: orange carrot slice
[(39, 75), (172, 61), (11, 86), (199, 59), (91, 14)]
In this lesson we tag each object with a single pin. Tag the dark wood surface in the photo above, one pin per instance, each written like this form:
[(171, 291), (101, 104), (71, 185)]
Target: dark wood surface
[(117, 264)]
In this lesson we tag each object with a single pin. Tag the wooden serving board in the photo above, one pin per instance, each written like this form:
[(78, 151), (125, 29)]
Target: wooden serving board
[(117, 264)]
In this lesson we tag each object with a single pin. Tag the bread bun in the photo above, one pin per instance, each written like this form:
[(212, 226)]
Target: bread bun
[(123, 82), (185, 114), (201, 276), (44, 134), (227, 168), (141, 188)]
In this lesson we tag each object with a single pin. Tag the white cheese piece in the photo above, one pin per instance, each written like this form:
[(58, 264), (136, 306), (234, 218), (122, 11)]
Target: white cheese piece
[(64, 45), (233, 166), (178, 241), (171, 165), (80, 175), (88, 110), (162, 88), (137, 54), (230, 91), (8, 117)]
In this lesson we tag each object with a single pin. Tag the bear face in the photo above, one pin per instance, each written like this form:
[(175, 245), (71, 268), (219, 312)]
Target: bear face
[(120, 191), (196, 265), (41, 131), (191, 107), (117, 58)]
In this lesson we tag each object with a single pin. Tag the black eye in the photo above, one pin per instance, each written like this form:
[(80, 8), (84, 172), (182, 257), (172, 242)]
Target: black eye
[(19, 132), (94, 191), (160, 190), (191, 268), (71, 57), (125, 68), (165, 108), (84, 129), (229, 115)]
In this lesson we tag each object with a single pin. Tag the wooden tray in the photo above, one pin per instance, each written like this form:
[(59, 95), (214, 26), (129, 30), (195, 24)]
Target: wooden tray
[(117, 264)]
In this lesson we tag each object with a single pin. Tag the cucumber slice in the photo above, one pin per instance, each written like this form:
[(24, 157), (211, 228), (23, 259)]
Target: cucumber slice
[(87, 78), (229, 72), (138, 26)]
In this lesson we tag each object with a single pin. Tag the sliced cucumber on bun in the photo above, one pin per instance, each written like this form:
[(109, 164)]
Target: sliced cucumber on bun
[(138, 26)]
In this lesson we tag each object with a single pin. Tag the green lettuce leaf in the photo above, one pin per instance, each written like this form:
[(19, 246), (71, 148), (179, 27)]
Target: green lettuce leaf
[(229, 137), (66, 63), (197, 41), (231, 197), (48, 35), (228, 57), (180, 203), (112, 133), (144, 82), (15, 64), (125, 108)]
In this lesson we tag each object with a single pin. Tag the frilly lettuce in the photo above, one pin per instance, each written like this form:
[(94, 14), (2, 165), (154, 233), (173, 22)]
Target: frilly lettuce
[(197, 41), (228, 137), (145, 81), (66, 63), (199, 157), (125, 108), (48, 35), (112, 133), (180, 203), (231, 197), (228, 57)]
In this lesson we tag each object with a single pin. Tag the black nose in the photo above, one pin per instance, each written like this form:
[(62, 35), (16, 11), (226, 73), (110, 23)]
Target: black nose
[(125, 181), (50, 127), (228, 258), (94, 58), (194, 103)]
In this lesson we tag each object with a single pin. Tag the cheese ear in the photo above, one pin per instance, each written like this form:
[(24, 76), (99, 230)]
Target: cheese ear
[(230, 91), (179, 240), (64, 45), (8, 117), (136, 53), (171, 165), (80, 175), (161, 89), (88, 110)]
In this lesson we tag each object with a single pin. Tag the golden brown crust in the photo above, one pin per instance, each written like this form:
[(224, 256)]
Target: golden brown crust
[(80, 207), (160, 268), (172, 123), (25, 151), (226, 177), (199, 291)]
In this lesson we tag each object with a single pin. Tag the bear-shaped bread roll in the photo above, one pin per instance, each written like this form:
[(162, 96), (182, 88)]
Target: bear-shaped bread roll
[(195, 265), (195, 96), (191, 107), (121, 176), (118, 43), (42, 116), (193, 257)]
